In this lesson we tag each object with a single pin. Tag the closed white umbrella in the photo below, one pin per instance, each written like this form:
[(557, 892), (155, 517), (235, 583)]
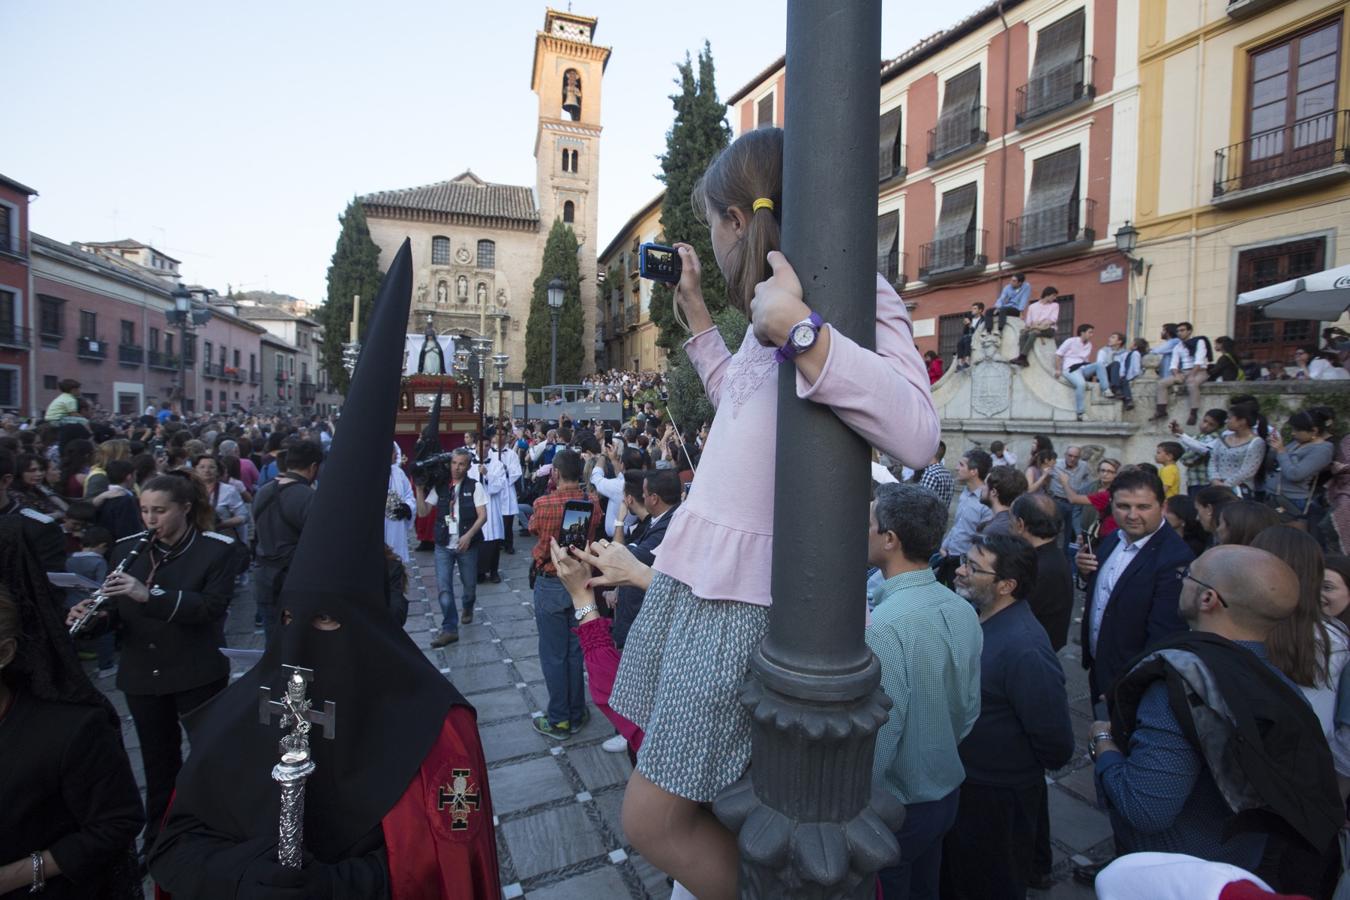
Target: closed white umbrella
[(1324, 296)]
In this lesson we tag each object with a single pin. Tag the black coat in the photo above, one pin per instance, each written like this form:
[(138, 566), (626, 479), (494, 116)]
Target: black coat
[(44, 535), (67, 787), (1051, 600), (1141, 610), (172, 642)]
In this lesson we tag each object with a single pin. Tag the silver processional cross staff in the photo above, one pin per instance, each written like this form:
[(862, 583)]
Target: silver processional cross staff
[(296, 766)]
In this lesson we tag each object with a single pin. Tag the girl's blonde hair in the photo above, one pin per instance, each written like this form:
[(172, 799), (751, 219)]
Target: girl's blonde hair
[(748, 170), (109, 450)]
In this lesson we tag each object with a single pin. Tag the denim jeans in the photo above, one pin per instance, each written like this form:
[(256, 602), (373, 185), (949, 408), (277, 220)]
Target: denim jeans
[(559, 652), (1078, 378), (447, 558), (915, 877), (1118, 384)]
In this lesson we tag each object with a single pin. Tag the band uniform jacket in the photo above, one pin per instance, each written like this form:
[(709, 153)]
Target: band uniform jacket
[(172, 642)]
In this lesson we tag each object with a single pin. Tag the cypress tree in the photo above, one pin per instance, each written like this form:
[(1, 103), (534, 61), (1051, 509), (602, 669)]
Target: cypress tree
[(560, 261), (355, 269), (698, 133)]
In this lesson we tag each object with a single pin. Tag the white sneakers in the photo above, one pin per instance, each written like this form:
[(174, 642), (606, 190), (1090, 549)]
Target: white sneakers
[(616, 744)]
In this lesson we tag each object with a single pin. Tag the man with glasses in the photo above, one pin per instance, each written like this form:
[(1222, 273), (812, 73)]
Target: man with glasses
[(1132, 582), (1214, 687), (1023, 728)]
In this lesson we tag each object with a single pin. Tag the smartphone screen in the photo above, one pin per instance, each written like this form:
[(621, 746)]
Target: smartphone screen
[(576, 524)]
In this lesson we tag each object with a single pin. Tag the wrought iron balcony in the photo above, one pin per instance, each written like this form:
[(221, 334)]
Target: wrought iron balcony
[(157, 359), (1050, 232), (634, 315), (891, 168), (1310, 152), (15, 336), (1055, 92), (953, 257), (307, 392), (1241, 9), (958, 134), (13, 245), (91, 348), (254, 376), (211, 370), (892, 268), (130, 354)]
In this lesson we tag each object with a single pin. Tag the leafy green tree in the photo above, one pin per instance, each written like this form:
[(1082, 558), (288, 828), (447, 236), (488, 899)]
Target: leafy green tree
[(355, 270), (698, 133), (560, 261)]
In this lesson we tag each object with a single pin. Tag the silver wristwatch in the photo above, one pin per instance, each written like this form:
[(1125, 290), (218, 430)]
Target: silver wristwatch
[(585, 611)]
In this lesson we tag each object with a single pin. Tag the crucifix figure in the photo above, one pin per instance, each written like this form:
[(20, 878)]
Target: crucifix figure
[(297, 714)]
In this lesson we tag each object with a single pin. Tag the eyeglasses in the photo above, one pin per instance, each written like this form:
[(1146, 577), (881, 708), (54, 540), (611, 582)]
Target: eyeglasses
[(973, 569), (1187, 576)]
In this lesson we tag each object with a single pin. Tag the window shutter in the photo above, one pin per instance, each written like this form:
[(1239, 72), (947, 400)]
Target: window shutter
[(1051, 215), (1056, 73), (955, 229), (957, 124), (889, 149), (888, 245), (764, 114)]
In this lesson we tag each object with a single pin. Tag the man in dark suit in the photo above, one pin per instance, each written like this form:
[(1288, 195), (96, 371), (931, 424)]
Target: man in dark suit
[(660, 494), (1133, 582)]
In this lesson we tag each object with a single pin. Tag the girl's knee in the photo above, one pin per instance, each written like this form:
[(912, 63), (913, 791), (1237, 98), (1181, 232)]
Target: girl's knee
[(651, 815)]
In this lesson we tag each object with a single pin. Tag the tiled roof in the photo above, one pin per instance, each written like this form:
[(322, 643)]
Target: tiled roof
[(466, 195)]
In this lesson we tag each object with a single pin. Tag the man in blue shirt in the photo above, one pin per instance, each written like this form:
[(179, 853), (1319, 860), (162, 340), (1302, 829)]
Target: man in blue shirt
[(1023, 728), (971, 513), (928, 642), (1162, 795), (1011, 301)]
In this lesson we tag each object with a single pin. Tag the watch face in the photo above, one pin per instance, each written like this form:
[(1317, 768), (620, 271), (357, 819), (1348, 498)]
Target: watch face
[(803, 335)]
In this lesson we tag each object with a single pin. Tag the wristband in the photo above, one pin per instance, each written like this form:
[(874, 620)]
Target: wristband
[(1097, 739), (39, 873)]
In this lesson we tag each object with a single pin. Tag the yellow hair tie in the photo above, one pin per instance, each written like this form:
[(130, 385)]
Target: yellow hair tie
[(762, 203)]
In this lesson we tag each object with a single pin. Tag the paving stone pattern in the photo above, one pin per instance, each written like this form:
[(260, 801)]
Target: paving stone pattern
[(557, 804)]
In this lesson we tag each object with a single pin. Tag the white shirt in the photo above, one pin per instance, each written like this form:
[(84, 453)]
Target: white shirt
[(612, 490), (1112, 568), (1006, 458)]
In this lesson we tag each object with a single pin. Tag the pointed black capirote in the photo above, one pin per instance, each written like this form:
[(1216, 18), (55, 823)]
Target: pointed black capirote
[(391, 701)]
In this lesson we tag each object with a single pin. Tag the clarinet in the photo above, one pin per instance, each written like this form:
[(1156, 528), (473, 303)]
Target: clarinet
[(102, 597)]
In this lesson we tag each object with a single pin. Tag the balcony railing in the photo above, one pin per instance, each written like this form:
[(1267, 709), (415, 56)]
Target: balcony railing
[(1059, 229), (130, 354), (234, 374), (1241, 9), (254, 376), (1055, 91), (15, 336), (307, 392), (158, 359), (633, 316), (211, 370), (13, 245), (953, 256), (892, 268), (958, 133), (91, 348), (1312, 151), (891, 168)]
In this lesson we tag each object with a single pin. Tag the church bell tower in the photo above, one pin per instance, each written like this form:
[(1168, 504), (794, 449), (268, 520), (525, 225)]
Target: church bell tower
[(569, 69)]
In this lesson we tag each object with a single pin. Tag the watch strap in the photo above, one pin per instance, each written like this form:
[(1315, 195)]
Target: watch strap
[(789, 350)]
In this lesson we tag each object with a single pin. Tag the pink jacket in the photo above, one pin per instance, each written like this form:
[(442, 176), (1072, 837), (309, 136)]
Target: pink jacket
[(720, 541), (602, 664)]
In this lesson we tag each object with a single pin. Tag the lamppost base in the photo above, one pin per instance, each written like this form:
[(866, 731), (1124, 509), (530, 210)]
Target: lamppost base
[(830, 830)]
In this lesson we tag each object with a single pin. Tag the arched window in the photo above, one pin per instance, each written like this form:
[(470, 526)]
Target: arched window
[(462, 288), (569, 211), (487, 255), (567, 160), (575, 167), (440, 251)]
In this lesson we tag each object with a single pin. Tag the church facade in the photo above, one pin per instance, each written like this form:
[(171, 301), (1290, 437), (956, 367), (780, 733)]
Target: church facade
[(477, 246)]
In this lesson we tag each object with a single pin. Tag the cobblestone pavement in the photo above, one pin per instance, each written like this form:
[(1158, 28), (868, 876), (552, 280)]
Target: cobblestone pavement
[(559, 835)]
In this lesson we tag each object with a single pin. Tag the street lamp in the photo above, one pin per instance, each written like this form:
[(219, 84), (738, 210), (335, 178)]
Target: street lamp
[(1127, 238), (186, 315), (499, 362), (555, 302)]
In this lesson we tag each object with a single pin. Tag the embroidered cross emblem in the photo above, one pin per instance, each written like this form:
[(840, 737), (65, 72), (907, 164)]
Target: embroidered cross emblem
[(461, 796)]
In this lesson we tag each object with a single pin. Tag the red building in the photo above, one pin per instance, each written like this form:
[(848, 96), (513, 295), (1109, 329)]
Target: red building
[(1000, 152), (16, 333)]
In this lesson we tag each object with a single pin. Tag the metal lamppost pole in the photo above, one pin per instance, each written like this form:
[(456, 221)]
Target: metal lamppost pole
[(182, 308), (809, 823), (555, 302)]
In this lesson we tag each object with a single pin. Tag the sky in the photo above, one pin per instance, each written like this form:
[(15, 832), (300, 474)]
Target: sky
[(232, 135)]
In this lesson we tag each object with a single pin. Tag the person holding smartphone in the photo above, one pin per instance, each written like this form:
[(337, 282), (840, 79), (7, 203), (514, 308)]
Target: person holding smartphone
[(560, 655)]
